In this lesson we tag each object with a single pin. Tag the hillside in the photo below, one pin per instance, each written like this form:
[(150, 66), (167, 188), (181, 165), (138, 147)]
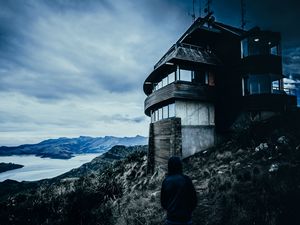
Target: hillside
[(101, 162), (9, 166), (65, 148), (253, 177)]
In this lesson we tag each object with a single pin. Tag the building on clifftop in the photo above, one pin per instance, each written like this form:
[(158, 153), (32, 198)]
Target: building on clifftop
[(210, 77)]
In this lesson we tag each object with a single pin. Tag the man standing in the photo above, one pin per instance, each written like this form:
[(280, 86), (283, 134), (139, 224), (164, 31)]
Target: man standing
[(178, 195)]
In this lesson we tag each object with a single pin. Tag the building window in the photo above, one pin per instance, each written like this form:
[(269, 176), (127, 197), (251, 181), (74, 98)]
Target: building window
[(244, 48), (160, 84), (277, 87), (156, 115), (199, 77), (274, 50), (163, 113), (259, 46), (261, 84), (172, 110), (209, 78), (185, 75), (165, 81), (171, 77), (160, 114)]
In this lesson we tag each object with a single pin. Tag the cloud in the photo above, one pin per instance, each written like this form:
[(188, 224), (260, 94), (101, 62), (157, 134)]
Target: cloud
[(291, 61), (27, 117), (60, 53), (70, 68)]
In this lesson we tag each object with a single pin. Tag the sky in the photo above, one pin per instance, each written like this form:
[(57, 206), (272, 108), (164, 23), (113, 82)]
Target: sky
[(76, 67)]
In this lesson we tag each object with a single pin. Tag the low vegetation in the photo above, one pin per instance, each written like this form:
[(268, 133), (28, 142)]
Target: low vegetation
[(251, 178)]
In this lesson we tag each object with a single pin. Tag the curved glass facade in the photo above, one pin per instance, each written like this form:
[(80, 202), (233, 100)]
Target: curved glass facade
[(259, 45), (200, 77), (164, 112), (262, 84), (191, 113)]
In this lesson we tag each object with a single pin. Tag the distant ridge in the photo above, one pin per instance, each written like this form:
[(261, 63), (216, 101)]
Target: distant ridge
[(65, 148)]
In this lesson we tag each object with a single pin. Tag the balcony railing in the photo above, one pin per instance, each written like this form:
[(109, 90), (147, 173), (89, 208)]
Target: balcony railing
[(185, 46), (180, 90), (269, 102), (165, 56), (288, 91)]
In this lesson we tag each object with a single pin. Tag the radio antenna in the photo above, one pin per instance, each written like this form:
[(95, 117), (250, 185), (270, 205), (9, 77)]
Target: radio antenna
[(243, 14), (207, 9), (193, 13), (200, 8)]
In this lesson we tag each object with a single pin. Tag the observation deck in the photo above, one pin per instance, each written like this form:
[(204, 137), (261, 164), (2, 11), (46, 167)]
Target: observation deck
[(179, 90)]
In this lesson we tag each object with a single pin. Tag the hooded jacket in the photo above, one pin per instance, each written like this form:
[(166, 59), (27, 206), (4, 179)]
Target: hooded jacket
[(178, 195)]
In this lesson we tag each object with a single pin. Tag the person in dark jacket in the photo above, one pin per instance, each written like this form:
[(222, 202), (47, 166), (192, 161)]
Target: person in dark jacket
[(178, 195)]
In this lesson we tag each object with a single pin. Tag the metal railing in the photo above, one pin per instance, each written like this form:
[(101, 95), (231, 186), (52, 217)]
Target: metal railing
[(174, 47), (165, 56), (289, 91)]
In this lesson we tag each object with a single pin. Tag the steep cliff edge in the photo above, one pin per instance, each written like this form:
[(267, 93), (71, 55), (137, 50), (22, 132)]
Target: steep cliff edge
[(251, 178)]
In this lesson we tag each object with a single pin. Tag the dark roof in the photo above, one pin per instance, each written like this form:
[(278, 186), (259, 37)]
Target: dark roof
[(180, 54), (272, 35), (183, 53), (189, 53), (195, 53), (230, 29), (212, 26)]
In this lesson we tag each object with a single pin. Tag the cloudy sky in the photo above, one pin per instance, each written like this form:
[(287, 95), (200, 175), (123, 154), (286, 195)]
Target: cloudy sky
[(76, 67)]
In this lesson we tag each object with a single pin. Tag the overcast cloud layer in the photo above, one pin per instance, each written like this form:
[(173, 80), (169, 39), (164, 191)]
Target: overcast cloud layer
[(70, 68)]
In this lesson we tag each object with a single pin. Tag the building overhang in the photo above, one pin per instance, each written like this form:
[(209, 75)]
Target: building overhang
[(192, 56), (179, 90), (185, 56), (260, 64), (269, 102), (257, 32)]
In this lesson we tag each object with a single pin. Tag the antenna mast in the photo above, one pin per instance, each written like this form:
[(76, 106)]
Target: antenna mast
[(193, 13), (200, 8), (207, 10), (243, 14)]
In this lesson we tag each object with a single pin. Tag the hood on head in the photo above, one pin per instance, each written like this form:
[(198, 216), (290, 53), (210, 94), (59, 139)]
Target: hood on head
[(174, 165)]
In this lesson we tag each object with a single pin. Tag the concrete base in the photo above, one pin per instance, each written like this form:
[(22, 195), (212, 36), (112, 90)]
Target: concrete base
[(196, 139), (164, 141)]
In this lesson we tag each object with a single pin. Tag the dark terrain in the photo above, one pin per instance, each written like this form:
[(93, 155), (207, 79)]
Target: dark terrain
[(9, 166), (253, 177)]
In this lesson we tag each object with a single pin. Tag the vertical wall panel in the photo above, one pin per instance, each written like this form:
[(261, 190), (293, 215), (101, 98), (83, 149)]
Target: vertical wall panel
[(167, 140), (195, 113), (196, 139)]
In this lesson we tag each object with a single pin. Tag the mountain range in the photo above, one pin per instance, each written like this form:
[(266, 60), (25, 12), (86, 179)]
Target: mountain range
[(65, 148)]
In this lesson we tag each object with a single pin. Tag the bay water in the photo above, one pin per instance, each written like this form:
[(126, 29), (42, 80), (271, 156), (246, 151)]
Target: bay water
[(36, 168)]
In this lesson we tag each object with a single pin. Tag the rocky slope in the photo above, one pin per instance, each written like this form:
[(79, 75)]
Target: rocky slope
[(99, 163), (65, 148), (253, 177)]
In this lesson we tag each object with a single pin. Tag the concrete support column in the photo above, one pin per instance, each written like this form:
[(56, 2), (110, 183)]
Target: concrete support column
[(151, 153)]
